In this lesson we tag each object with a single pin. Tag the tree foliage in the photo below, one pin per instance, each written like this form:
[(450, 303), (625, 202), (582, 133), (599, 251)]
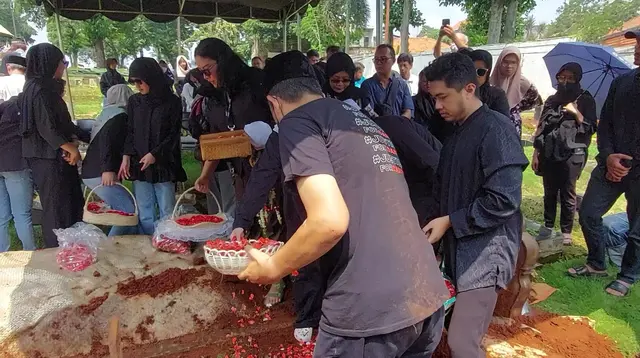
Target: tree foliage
[(395, 16), (23, 29), (225, 31), (590, 20), (326, 24), (430, 32), (477, 24)]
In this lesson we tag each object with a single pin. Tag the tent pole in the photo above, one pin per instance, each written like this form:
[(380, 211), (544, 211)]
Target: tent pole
[(378, 22), (298, 32), (66, 72), (284, 35), (347, 30), (13, 18)]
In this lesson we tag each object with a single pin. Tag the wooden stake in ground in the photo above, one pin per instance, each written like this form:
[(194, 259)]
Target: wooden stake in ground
[(115, 348)]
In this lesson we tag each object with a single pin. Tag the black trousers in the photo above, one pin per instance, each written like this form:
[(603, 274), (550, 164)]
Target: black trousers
[(470, 320), (561, 177), (58, 185), (419, 340), (308, 291)]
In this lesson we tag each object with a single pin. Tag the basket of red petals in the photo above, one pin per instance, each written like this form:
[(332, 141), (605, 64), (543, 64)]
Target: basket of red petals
[(198, 220), (98, 213), (230, 257)]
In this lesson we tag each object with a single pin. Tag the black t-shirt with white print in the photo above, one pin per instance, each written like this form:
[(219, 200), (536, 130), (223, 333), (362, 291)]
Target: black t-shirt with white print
[(384, 276)]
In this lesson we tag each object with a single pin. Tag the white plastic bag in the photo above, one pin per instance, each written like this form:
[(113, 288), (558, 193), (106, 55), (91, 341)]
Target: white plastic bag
[(168, 228), (78, 246)]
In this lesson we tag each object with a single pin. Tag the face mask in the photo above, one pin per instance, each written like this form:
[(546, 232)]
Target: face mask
[(569, 91)]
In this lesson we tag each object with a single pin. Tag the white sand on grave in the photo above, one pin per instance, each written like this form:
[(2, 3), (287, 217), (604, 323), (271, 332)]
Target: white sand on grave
[(39, 302)]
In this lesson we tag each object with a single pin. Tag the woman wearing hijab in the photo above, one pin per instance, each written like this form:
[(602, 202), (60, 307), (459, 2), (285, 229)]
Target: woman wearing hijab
[(493, 97), (340, 72), (182, 69), (238, 99), (48, 141), (152, 157), (104, 155), (521, 93), (567, 123)]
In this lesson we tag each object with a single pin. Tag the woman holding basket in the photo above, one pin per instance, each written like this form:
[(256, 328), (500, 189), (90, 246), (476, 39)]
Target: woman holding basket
[(152, 157), (104, 155)]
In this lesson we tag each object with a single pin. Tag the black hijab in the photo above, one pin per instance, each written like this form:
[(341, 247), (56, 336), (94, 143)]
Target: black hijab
[(42, 62), (149, 71), (484, 56), (339, 62), (568, 92)]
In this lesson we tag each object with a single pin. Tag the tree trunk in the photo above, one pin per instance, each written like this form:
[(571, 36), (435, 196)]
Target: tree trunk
[(141, 52), (495, 21), (74, 59), (98, 53), (404, 28), (510, 22), (387, 24)]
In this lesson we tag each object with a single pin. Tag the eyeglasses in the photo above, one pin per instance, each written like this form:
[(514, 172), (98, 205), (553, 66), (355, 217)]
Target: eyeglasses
[(207, 71), (381, 60), (481, 71), (135, 81), (565, 79), (337, 81)]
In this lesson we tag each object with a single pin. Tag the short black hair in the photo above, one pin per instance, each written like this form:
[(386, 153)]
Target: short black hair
[(162, 62), (405, 57), (333, 49), (292, 89), (312, 53), (381, 46), (111, 61), (465, 51), (455, 69)]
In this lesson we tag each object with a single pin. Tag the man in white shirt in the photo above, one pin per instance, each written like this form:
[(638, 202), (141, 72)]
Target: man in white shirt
[(405, 64), (12, 84)]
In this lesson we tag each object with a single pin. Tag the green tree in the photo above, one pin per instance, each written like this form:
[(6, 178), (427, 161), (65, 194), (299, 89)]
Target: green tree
[(430, 32), (128, 39), (395, 17), (73, 37), (163, 38), (590, 20), (7, 19), (230, 33), (263, 36)]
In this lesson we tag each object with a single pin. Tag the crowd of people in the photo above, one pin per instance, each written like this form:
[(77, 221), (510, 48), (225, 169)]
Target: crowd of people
[(384, 182)]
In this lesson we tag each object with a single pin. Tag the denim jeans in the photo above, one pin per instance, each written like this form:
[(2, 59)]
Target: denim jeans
[(617, 227), (600, 196), (16, 200), (118, 199), (148, 196)]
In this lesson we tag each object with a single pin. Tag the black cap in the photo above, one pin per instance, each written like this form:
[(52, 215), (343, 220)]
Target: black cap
[(632, 34), (287, 65), (15, 59)]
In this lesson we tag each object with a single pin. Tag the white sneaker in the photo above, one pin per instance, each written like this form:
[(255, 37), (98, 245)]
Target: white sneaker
[(303, 335)]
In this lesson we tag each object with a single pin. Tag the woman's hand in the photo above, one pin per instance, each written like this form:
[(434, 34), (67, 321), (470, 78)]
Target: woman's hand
[(535, 161), (202, 183), (73, 155), (109, 178), (573, 109), (436, 229), (124, 172), (147, 160), (237, 234)]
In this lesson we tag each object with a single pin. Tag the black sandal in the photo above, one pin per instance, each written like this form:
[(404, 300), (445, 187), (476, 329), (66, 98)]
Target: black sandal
[(619, 287), (583, 271)]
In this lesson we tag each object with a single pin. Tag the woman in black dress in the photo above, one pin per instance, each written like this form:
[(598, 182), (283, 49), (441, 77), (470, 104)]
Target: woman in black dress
[(341, 82), (49, 141), (238, 99), (152, 157)]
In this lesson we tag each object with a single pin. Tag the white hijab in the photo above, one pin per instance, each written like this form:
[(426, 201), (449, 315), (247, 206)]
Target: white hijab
[(258, 133), (116, 103), (181, 73)]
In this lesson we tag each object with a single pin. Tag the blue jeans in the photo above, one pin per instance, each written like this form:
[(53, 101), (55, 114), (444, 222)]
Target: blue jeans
[(617, 227), (16, 200), (600, 196), (118, 199), (148, 196)]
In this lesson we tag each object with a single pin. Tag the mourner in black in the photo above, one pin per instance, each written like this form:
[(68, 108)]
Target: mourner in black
[(564, 134), (618, 172), (238, 99), (492, 96), (48, 141), (152, 157), (111, 77), (425, 111), (379, 302), (479, 188)]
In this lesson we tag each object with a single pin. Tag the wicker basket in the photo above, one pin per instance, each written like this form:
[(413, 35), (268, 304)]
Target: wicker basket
[(200, 225), (110, 219), (229, 262), (225, 145)]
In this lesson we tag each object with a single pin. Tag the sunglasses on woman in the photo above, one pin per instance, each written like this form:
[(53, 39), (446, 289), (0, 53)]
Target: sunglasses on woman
[(481, 71), (337, 81)]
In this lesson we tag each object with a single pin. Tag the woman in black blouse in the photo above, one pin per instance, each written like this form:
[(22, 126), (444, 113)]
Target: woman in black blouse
[(340, 83), (48, 142), (493, 97), (238, 99), (104, 156), (152, 157)]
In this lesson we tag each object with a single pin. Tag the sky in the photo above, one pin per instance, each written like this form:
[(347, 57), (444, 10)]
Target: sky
[(433, 14)]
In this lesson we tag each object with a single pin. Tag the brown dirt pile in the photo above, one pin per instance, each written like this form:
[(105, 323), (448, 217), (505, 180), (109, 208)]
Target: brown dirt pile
[(168, 281), (93, 304)]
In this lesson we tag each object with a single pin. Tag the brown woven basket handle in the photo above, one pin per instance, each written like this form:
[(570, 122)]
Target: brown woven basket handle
[(135, 202), (175, 208)]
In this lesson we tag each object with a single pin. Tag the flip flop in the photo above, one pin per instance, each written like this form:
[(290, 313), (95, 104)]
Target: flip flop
[(583, 271), (274, 296), (618, 287)]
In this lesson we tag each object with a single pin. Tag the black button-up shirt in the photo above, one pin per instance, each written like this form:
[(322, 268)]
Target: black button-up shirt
[(10, 138)]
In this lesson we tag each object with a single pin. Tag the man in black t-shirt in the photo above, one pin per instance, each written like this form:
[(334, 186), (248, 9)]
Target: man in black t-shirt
[(385, 292)]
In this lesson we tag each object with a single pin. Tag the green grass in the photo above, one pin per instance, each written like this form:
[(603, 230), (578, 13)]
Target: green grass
[(619, 318)]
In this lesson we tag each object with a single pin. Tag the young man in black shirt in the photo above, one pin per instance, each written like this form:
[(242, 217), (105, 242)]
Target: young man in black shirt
[(618, 172), (479, 187), (385, 293)]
